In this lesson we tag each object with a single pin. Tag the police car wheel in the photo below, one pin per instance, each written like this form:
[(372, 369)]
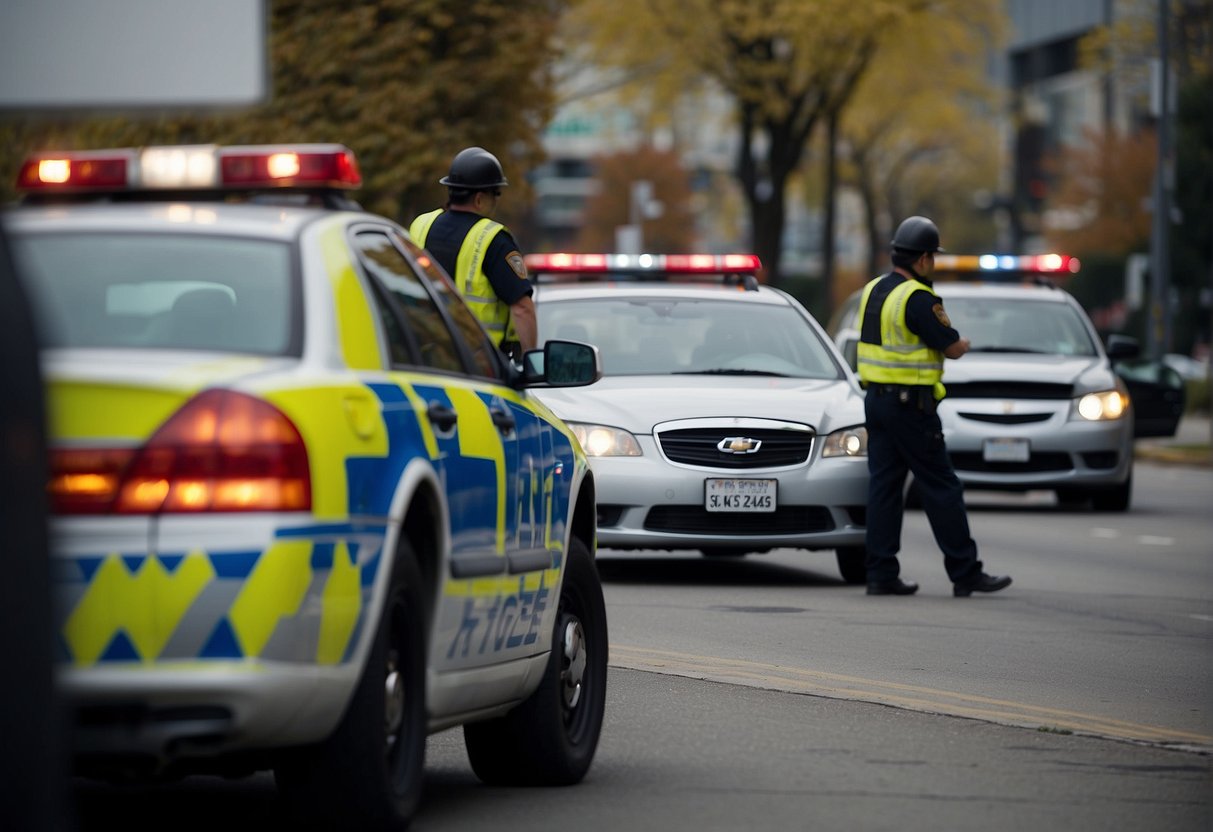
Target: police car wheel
[(1114, 499), (852, 563), (372, 767), (550, 739)]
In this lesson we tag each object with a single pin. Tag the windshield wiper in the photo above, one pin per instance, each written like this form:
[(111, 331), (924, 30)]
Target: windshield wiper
[(1008, 349)]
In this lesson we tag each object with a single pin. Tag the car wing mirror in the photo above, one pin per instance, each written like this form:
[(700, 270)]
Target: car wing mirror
[(1122, 347), (562, 364)]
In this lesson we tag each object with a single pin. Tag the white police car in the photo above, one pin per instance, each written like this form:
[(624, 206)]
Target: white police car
[(304, 513)]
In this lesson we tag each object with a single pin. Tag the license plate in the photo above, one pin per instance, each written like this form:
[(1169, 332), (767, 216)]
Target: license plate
[(740, 495), (1005, 450)]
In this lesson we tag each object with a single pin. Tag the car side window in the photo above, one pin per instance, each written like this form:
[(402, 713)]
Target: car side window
[(484, 353), (435, 345)]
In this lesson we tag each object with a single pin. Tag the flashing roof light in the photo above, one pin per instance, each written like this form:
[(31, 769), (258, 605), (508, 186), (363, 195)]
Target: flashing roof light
[(640, 264), (191, 167), (1043, 264)]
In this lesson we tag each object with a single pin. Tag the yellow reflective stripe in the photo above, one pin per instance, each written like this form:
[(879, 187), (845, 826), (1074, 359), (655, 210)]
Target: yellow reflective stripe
[(471, 255), (274, 590), (355, 321), (479, 439), (342, 601), (147, 606)]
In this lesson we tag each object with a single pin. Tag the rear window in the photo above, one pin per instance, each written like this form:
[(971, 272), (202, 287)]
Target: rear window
[(160, 291)]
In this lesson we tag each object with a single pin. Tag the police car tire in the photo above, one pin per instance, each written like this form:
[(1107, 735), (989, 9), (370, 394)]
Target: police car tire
[(852, 563), (351, 774), (544, 742), (1114, 499)]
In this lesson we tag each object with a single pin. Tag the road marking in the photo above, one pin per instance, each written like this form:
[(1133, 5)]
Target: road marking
[(1155, 540), (1106, 534), (1199, 617), (910, 697)]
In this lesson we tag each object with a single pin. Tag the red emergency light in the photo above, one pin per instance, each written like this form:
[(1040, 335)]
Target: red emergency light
[(191, 168)]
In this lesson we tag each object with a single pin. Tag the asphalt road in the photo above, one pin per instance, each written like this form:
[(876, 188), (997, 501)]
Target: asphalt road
[(766, 694)]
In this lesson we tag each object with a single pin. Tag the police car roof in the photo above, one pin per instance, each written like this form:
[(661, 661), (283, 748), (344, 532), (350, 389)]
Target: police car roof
[(243, 219)]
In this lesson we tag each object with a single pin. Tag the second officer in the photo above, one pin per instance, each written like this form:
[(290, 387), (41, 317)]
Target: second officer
[(905, 334), (479, 253)]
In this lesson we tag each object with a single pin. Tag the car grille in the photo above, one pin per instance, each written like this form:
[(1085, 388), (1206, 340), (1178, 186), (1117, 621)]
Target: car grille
[(693, 519), (1010, 390), (972, 461), (1007, 418), (697, 446)]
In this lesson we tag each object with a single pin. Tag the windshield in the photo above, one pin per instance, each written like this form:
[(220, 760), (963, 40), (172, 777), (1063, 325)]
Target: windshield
[(672, 335), (1014, 325), (160, 291)]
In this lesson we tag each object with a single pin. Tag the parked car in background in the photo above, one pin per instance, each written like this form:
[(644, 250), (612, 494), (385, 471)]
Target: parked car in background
[(725, 421), (1039, 402), (304, 513)]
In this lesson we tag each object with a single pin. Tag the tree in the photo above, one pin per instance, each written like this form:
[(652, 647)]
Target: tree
[(405, 83), (786, 65), (919, 135), (1126, 50)]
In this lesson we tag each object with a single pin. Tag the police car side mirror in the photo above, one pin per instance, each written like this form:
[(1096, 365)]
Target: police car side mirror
[(1122, 347), (562, 364)]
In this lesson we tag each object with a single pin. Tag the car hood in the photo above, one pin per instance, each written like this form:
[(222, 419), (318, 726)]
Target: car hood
[(637, 403), (1086, 373)]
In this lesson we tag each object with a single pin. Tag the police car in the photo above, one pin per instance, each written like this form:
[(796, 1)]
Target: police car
[(304, 512), (726, 421)]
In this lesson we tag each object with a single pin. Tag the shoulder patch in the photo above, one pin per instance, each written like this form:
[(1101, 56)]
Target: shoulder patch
[(941, 315), (517, 264)]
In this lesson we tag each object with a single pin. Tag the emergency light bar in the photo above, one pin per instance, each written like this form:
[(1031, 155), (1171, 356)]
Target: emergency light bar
[(1056, 264), (739, 269), (190, 168), (639, 264)]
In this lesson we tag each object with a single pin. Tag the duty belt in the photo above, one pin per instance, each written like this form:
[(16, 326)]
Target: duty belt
[(921, 396)]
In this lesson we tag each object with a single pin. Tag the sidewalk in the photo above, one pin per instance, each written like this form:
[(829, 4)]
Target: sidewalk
[(1189, 446)]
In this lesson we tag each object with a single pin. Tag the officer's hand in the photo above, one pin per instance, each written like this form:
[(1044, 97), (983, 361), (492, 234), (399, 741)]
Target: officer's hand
[(957, 348)]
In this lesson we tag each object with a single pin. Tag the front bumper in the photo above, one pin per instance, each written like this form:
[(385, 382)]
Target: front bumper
[(1063, 452), (647, 502)]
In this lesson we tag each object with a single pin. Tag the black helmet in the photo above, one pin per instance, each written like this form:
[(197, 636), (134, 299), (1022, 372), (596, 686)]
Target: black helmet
[(475, 169), (917, 234)]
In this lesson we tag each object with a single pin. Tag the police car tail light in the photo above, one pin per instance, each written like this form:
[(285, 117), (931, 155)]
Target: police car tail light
[(222, 451)]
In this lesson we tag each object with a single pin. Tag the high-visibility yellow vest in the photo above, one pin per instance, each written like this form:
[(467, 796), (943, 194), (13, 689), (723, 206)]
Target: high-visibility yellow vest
[(470, 280), (901, 357)]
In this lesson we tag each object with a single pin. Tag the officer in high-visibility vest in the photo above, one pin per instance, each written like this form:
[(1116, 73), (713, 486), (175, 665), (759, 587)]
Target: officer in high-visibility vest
[(904, 337), (480, 254)]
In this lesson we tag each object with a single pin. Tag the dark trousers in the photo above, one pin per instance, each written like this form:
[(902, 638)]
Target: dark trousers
[(905, 435)]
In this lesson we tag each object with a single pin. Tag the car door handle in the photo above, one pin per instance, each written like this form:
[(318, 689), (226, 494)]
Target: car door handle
[(503, 419), (442, 416)]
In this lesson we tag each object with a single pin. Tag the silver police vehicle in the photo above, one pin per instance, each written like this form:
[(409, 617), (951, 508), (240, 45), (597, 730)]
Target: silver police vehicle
[(725, 422)]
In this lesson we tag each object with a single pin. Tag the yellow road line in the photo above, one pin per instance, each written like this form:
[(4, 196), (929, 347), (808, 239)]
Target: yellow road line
[(912, 697)]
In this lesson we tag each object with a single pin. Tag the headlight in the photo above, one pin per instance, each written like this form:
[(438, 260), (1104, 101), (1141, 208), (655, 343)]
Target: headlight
[(847, 442), (600, 440), (1103, 406)]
